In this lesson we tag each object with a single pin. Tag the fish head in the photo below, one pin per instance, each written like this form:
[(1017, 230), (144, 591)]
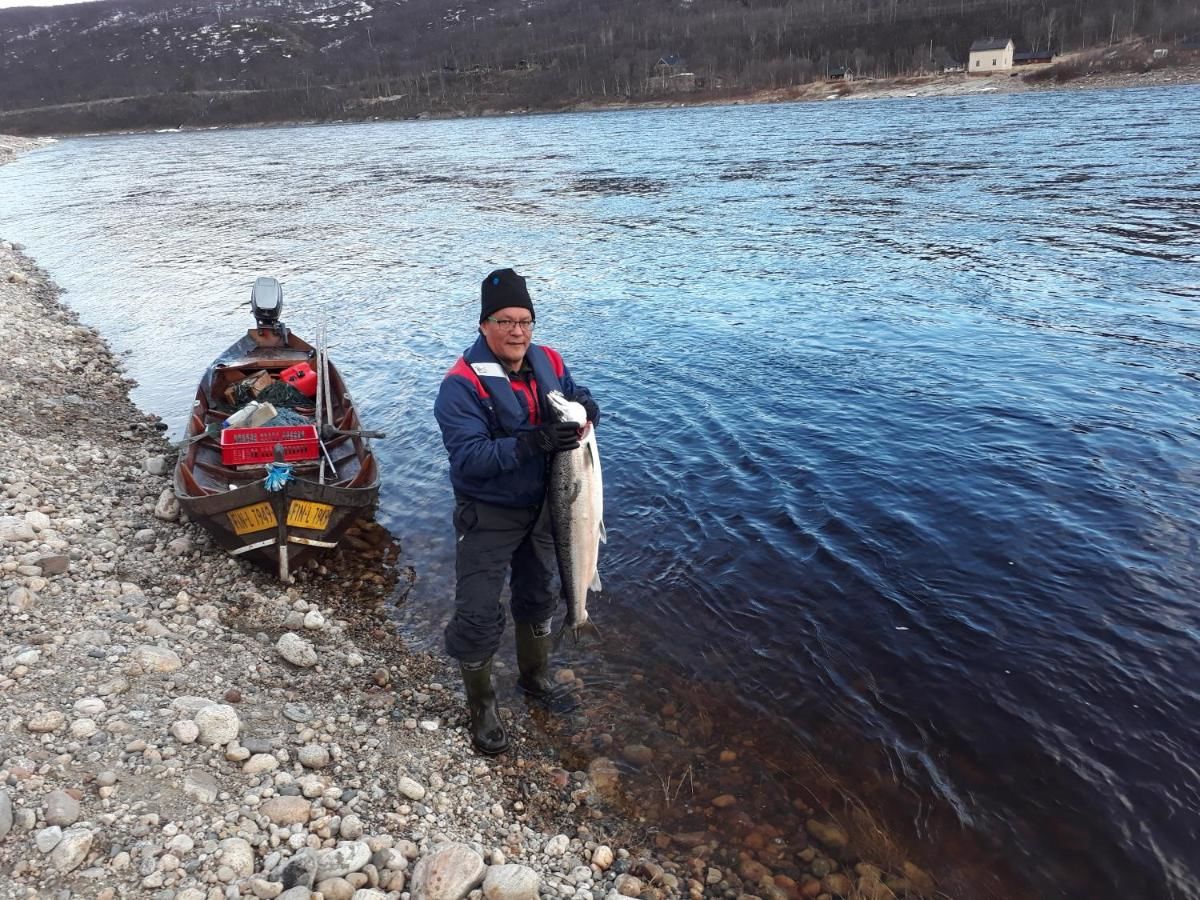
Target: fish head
[(567, 410)]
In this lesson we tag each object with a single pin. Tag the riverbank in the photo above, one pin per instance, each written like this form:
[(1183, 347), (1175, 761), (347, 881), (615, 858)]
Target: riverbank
[(901, 87), (181, 726)]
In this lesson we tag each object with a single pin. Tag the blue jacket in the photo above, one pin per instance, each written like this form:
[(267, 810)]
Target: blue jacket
[(481, 412)]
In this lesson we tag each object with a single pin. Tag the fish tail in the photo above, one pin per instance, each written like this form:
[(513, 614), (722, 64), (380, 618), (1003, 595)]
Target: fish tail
[(584, 633)]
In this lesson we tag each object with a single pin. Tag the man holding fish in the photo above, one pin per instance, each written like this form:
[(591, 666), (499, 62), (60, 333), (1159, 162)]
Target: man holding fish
[(528, 498)]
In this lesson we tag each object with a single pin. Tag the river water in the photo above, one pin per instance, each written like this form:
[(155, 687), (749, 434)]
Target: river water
[(901, 408)]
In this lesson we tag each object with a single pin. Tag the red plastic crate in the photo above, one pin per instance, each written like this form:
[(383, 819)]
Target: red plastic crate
[(251, 446)]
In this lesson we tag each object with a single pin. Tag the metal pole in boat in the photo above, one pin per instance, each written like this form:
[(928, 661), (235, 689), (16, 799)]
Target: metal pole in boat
[(325, 379), (320, 398), (280, 501)]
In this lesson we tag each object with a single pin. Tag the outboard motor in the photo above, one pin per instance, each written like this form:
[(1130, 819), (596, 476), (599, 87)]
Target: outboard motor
[(266, 302)]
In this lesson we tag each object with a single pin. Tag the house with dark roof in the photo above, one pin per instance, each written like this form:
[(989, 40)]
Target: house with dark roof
[(990, 55), (1033, 58)]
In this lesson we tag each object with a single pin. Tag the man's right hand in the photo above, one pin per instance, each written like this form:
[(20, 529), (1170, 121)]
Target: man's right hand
[(549, 438)]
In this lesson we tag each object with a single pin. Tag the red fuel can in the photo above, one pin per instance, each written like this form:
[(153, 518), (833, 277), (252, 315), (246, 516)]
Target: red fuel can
[(302, 377)]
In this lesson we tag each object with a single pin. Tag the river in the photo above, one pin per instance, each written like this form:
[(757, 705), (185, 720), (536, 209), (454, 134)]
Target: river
[(901, 411)]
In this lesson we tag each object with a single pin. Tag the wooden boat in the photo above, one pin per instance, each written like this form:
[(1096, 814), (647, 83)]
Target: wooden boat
[(319, 497)]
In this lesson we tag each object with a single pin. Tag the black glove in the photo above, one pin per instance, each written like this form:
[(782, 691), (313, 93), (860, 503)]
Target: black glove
[(549, 438), (593, 411)]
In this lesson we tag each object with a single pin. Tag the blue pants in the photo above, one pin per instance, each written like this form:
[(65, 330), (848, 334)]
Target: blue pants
[(491, 540)]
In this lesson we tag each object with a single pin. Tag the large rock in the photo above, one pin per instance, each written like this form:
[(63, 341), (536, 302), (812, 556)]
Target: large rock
[(287, 810), (296, 650), (15, 531), (6, 814), (511, 882), (347, 857), (54, 565), (156, 659), (218, 724), (450, 872), (61, 809), (72, 849)]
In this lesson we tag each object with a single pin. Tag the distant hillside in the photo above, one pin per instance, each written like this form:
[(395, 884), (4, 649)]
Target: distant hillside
[(165, 63)]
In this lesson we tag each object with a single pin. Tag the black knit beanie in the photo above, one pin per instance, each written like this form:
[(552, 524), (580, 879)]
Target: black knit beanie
[(500, 290)]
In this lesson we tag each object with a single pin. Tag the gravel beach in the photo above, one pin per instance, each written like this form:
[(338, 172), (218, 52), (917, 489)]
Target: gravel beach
[(179, 725)]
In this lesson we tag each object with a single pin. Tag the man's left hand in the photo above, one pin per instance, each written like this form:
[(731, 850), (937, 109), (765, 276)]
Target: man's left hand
[(592, 410)]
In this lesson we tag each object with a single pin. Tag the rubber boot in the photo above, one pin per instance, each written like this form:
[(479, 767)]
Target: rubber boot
[(487, 731), (533, 661)]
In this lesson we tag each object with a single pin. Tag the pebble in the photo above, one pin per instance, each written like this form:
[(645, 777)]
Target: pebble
[(167, 507), (336, 889), (602, 857), (155, 659), (638, 754), (287, 810), (218, 724), (6, 813), (351, 828), (296, 650), (450, 872), (410, 788), (314, 756), (238, 855), (297, 712), (259, 763), (830, 835), (511, 882), (48, 838), (46, 722), (628, 885), (200, 786), (347, 857)]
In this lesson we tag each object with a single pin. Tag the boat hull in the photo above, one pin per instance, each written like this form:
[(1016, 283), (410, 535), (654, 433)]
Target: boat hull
[(311, 511)]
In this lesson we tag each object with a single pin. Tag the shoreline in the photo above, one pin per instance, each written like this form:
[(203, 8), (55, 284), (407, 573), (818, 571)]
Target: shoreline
[(159, 741), (896, 88)]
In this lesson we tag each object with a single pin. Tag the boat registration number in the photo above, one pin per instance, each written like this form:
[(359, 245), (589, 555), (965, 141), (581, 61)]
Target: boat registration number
[(306, 514), (248, 519)]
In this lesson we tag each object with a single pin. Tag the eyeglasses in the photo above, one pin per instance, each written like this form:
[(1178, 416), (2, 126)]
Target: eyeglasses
[(512, 324)]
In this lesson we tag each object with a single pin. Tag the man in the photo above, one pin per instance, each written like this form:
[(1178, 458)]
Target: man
[(499, 433)]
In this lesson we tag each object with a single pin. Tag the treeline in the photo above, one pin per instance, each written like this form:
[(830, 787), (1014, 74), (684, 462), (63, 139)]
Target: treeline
[(228, 61)]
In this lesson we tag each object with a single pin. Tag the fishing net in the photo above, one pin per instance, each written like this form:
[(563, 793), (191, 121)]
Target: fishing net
[(287, 417), (279, 394)]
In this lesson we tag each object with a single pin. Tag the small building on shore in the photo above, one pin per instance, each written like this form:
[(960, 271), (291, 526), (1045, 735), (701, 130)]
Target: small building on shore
[(990, 55), (1033, 58), (841, 73)]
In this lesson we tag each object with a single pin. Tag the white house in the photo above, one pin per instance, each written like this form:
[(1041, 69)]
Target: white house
[(990, 55)]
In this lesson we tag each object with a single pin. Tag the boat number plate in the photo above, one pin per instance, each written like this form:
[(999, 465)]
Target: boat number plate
[(248, 519), (306, 514)]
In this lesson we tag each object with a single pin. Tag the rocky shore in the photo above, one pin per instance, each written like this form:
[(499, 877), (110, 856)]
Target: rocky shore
[(179, 725)]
